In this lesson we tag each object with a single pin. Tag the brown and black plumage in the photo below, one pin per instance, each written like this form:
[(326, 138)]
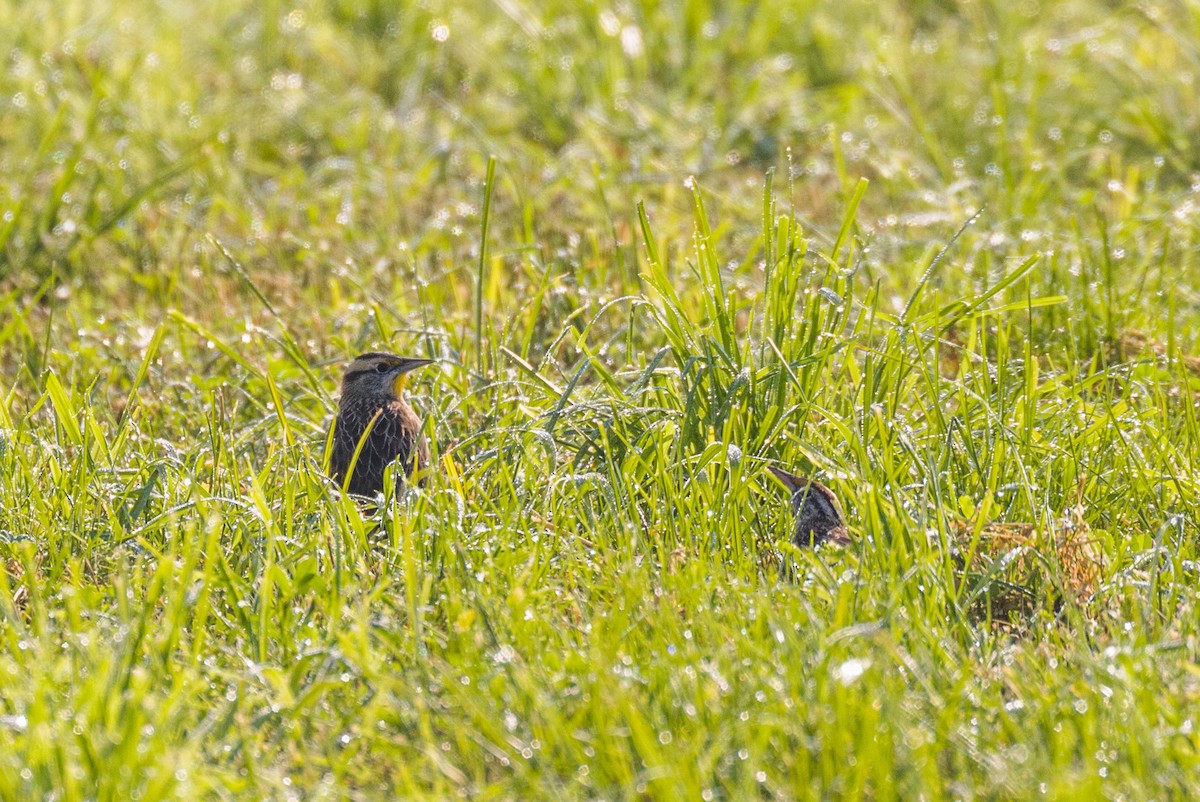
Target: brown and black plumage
[(372, 403), (818, 514)]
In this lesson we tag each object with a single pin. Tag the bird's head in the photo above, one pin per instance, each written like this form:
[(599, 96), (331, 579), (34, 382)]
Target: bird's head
[(818, 514), (379, 374)]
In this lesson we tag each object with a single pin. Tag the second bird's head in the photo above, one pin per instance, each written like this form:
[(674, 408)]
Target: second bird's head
[(379, 374)]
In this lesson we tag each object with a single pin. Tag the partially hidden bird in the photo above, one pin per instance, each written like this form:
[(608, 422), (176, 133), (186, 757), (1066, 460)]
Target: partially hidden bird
[(372, 411), (818, 514)]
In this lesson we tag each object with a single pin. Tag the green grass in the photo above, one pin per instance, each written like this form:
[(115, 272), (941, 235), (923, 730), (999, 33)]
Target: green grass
[(941, 255)]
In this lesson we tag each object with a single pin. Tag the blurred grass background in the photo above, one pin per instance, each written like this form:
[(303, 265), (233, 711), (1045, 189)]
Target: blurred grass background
[(940, 255)]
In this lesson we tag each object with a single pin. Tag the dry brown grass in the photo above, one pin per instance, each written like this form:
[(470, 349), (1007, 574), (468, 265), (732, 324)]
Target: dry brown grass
[(1029, 566)]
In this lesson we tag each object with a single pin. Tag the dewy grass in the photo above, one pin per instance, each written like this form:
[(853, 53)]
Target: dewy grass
[(712, 239)]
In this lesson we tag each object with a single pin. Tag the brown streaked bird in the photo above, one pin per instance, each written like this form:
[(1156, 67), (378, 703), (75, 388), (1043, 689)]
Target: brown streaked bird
[(818, 513), (372, 403)]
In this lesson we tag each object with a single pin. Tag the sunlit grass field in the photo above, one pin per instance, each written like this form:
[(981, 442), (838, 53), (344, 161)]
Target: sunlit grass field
[(942, 256)]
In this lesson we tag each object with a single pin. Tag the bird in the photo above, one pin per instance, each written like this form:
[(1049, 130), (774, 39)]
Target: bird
[(372, 410), (818, 514)]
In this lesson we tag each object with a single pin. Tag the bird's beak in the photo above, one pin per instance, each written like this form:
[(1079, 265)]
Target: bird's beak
[(789, 480), (405, 366), (412, 363)]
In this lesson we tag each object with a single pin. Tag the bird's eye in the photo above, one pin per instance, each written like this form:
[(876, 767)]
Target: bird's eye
[(381, 368)]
